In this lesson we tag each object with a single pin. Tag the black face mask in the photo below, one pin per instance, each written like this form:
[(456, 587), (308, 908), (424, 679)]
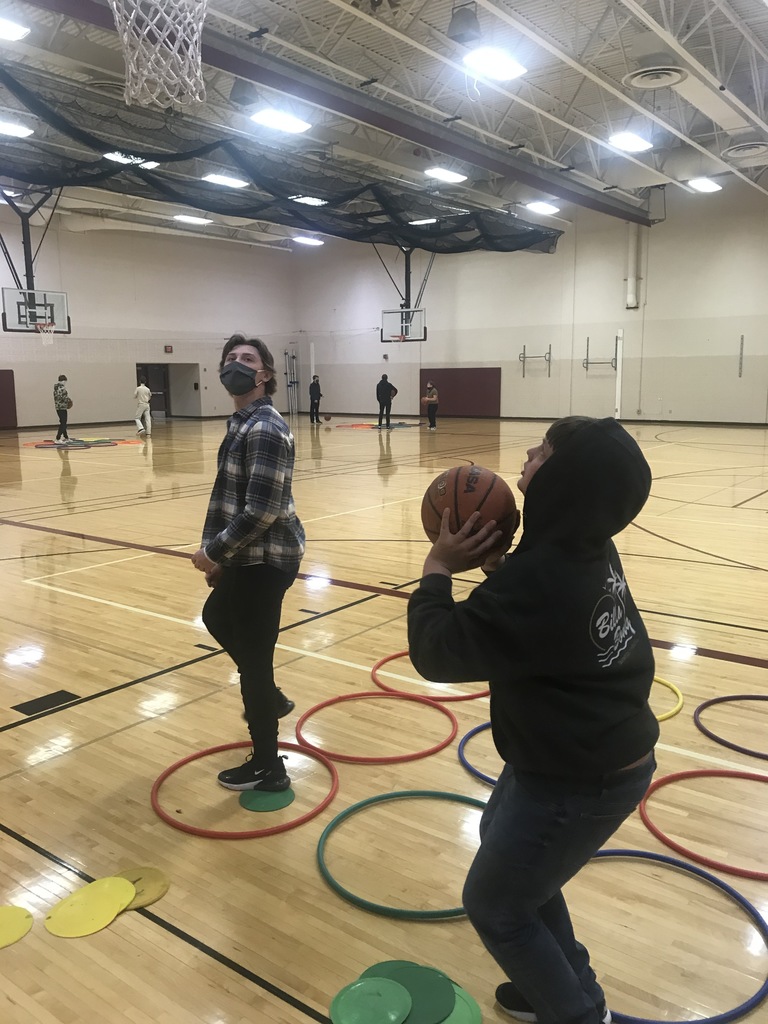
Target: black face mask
[(238, 378)]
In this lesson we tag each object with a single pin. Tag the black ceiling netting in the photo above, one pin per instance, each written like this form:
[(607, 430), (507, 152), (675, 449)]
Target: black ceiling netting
[(361, 211)]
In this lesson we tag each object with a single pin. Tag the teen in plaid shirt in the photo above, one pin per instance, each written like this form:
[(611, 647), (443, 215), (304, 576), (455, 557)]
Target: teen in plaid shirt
[(252, 547)]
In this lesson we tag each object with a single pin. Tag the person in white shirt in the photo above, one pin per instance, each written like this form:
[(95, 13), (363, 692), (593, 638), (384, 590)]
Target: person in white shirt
[(142, 394)]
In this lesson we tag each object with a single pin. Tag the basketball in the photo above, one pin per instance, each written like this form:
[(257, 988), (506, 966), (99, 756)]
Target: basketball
[(327, 419), (468, 489), (424, 400)]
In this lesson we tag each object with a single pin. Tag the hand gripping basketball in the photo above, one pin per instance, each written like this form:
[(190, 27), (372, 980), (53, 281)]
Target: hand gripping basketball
[(468, 489), (469, 547)]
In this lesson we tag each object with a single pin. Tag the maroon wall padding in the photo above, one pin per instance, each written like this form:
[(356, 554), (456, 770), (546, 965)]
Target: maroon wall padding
[(7, 400), (474, 391)]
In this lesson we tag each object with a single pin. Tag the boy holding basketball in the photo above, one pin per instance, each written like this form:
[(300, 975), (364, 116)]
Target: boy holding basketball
[(251, 551), (555, 630)]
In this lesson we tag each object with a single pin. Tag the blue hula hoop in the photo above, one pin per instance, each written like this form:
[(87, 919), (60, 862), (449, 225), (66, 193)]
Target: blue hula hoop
[(752, 912), (463, 758)]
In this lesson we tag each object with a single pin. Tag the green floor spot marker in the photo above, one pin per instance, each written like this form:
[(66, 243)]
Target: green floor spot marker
[(371, 1001), (466, 1010), (385, 968), (432, 993), (253, 800)]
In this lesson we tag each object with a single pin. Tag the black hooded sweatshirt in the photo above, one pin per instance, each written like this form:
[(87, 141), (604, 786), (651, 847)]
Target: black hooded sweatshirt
[(555, 630)]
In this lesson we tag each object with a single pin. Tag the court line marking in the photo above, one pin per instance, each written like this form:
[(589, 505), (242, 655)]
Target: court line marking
[(191, 940), (115, 604), (708, 758), (187, 622), (367, 508), (85, 568)]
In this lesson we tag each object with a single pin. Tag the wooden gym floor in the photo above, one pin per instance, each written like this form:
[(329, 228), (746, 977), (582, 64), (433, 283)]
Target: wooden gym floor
[(98, 603)]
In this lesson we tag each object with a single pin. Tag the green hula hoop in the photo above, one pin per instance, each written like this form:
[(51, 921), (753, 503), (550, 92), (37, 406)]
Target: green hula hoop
[(379, 908)]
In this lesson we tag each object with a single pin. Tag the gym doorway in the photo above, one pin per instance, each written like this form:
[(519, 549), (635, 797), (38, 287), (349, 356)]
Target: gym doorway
[(156, 376)]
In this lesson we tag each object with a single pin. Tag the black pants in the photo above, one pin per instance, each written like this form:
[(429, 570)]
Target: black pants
[(314, 410), (242, 614), (385, 408), (432, 414), (62, 431)]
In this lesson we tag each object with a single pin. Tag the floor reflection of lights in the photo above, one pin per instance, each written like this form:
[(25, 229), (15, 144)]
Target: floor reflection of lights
[(54, 747), (159, 703), (29, 654)]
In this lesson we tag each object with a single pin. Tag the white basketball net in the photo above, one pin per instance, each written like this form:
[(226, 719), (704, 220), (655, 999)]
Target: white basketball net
[(46, 332), (161, 44)]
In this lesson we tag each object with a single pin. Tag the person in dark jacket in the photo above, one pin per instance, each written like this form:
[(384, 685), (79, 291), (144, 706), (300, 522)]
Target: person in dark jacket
[(555, 630), (314, 400), (385, 392), (62, 403)]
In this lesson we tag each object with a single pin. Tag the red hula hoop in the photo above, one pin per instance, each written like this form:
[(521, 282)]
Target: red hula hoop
[(405, 693), (761, 876), (252, 833), (392, 759)]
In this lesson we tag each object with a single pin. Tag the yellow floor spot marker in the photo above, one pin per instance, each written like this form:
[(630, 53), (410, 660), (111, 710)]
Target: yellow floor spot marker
[(15, 922), (91, 908), (150, 884)]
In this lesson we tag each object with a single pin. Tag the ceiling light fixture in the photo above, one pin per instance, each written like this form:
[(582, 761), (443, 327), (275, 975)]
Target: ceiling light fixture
[(186, 218), (224, 179), (491, 62), (442, 174), (464, 26), (705, 185), (427, 220), (18, 131), (11, 31), (540, 207), (121, 158), (280, 121), (630, 142), (309, 200), (308, 241)]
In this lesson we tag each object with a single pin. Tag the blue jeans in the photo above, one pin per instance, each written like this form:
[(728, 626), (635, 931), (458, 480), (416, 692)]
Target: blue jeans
[(536, 833)]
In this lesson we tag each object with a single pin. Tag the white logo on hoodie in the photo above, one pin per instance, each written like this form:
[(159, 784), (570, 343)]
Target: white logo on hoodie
[(610, 629)]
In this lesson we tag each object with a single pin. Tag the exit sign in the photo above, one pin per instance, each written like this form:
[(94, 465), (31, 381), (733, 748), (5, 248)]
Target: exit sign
[(168, 348)]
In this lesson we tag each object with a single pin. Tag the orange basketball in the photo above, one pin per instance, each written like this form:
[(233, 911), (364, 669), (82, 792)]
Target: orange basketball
[(468, 489), (424, 400)]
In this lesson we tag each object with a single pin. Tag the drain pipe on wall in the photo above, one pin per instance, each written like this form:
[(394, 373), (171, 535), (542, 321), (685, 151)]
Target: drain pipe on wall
[(633, 239)]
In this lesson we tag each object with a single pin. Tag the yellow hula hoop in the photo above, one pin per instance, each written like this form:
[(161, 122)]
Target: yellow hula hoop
[(678, 693)]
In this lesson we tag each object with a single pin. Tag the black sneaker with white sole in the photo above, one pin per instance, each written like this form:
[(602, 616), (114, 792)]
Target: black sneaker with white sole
[(249, 776), (511, 1002)]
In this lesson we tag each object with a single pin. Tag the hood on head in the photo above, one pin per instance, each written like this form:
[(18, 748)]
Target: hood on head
[(588, 490)]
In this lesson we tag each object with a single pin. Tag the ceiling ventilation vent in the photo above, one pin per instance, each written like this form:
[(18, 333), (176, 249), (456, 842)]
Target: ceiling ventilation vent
[(660, 75), (752, 150)]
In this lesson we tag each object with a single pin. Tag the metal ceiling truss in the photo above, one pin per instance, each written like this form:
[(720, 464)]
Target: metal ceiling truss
[(393, 93)]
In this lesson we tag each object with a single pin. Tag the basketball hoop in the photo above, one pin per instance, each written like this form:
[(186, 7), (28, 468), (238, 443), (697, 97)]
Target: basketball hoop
[(46, 330), (398, 337), (161, 45)]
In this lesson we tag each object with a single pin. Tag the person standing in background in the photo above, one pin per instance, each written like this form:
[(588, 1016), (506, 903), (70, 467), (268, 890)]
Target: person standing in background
[(314, 400), (143, 395), (385, 392), (62, 403), (430, 400)]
